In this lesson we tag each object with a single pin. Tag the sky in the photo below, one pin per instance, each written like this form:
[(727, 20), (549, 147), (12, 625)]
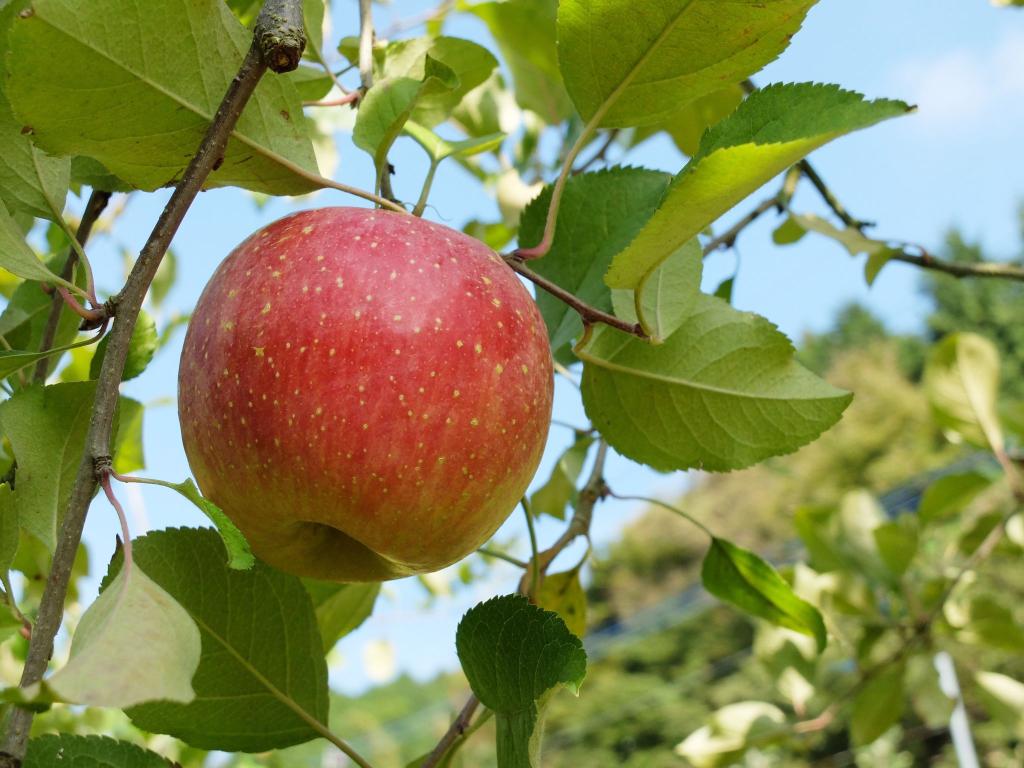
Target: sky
[(956, 162)]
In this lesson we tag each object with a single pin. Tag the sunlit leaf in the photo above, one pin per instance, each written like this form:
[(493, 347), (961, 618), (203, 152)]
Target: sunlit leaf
[(771, 130), (961, 379)]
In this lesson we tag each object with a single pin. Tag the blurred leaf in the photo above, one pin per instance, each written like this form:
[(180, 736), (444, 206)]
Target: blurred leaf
[(33, 561), (495, 235), (47, 426), (128, 449), (141, 348), (662, 302), (771, 130), (674, 52), (724, 289), (51, 750), (262, 661), (488, 109), (950, 495), (9, 528), (563, 594), (814, 527), (560, 490), (993, 624), (878, 705), (134, 644), (514, 655), (855, 242), (525, 33), (788, 232), (138, 96), (926, 696), (961, 380), (164, 279), (730, 731), (721, 393), (1005, 699), (340, 608), (897, 544), (599, 215), (743, 579)]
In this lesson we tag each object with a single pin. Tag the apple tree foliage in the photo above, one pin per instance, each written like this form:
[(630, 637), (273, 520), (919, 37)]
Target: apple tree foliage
[(190, 636)]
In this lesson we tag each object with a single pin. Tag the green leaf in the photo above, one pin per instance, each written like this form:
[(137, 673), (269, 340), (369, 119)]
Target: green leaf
[(487, 109), (9, 528), (950, 495), (721, 393), (514, 654), (743, 579), (788, 232), (30, 180), (262, 660), (771, 130), (18, 258), (560, 489), (686, 126), (525, 32), (878, 705), (624, 68), (128, 450), (897, 544), (563, 594), (732, 730), (853, 240), (138, 95), (600, 214), (439, 148), (240, 556), (134, 644), (47, 427), (961, 380), (387, 107), (993, 624), (340, 608), (141, 349), (66, 749), (662, 302)]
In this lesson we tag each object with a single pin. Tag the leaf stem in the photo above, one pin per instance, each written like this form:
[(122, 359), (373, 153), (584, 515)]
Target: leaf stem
[(428, 182), (488, 552), (649, 500), (89, 315), (589, 314), (122, 518), (95, 205), (274, 44), (534, 562)]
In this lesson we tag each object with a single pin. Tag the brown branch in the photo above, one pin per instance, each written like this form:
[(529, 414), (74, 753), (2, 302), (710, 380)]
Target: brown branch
[(957, 269), (830, 199), (728, 238), (93, 208), (455, 730), (276, 44), (589, 314)]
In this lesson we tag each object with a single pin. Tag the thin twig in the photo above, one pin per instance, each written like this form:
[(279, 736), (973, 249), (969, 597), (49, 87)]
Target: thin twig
[(589, 314), (728, 238), (488, 552), (957, 269), (830, 199), (275, 45), (600, 154), (532, 565), (98, 200), (458, 727)]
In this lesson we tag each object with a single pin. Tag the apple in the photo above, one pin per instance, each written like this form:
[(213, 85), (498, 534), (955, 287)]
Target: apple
[(364, 393)]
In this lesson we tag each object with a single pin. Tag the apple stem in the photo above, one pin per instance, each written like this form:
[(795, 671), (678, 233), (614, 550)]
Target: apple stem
[(428, 182), (587, 313)]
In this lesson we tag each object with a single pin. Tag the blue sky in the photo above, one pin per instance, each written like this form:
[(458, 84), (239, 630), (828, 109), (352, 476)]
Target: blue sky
[(957, 161)]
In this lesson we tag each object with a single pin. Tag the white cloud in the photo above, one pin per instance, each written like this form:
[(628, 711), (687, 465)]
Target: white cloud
[(961, 89)]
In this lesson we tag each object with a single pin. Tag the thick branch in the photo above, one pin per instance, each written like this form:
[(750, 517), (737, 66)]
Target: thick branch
[(274, 35), (280, 34), (93, 208), (455, 730), (588, 313)]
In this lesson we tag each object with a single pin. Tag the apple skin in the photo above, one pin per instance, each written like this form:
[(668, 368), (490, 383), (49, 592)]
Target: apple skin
[(364, 393)]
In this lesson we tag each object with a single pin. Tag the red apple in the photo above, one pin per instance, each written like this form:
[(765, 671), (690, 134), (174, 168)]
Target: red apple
[(364, 393)]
